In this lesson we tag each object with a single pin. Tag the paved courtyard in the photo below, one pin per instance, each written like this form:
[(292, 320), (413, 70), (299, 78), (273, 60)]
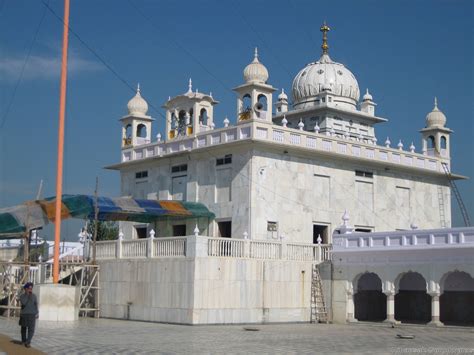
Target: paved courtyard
[(106, 336)]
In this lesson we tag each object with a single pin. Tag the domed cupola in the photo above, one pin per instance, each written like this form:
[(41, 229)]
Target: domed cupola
[(136, 126), (325, 75), (435, 135), (282, 96), (435, 118), (255, 72), (137, 106)]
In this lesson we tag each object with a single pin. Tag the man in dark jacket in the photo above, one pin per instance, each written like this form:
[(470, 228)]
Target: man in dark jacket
[(28, 314)]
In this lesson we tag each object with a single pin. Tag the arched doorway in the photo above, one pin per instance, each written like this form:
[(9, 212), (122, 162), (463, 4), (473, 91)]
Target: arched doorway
[(370, 304), (457, 299), (412, 303)]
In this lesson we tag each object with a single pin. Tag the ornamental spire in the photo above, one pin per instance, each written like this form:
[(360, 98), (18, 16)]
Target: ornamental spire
[(255, 57), (190, 86), (325, 29)]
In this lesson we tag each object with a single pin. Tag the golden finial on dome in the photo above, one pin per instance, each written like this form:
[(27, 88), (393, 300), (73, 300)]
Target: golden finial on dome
[(325, 29)]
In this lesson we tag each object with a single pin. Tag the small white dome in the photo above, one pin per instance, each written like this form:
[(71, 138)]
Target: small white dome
[(435, 117), (367, 96), (256, 71), (137, 105), (282, 96)]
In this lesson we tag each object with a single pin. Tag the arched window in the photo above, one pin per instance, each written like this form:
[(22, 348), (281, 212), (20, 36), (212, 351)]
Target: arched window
[(141, 131), (203, 117), (182, 123), (262, 100), (246, 103), (128, 131), (174, 121), (431, 142), (443, 142)]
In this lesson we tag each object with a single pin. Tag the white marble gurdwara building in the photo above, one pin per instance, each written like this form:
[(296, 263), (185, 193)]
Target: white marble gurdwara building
[(278, 177)]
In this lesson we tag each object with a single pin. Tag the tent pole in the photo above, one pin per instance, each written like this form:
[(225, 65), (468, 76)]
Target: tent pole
[(59, 172), (26, 247), (96, 217)]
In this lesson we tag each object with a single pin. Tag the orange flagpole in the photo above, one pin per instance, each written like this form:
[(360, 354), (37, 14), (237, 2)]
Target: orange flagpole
[(59, 173)]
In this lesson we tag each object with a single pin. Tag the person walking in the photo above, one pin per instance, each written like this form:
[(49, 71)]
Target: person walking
[(28, 314)]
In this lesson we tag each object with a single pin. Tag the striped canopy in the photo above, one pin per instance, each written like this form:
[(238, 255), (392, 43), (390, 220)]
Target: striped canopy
[(35, 214)]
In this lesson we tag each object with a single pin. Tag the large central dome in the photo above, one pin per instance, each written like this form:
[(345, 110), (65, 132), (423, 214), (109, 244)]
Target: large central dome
[(325, 75)]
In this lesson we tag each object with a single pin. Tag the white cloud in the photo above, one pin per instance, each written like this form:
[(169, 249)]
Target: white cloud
[(44, 67)]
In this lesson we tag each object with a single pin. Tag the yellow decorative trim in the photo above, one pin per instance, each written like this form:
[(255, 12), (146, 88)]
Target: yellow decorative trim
[(244, 115)]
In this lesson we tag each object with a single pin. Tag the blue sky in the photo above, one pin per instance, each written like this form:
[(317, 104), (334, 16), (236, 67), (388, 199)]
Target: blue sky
[(405, 52)]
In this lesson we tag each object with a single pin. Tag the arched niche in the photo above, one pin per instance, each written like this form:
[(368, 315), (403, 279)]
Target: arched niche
[(412, 303), (457, 298), (370, 304)]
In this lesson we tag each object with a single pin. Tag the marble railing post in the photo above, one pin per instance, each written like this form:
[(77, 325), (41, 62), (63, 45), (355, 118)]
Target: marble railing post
[(246, 245), (319, 255), (196, 246), (284, 248), (119, 245), (150, 244)]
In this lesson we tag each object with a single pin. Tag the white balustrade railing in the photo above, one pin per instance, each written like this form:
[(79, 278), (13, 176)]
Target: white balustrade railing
[(266, 131), (265, 250), (302, 252), (226, 247), (325, 252), (106, 250), (169, 247), (134, 248), (202, 246)]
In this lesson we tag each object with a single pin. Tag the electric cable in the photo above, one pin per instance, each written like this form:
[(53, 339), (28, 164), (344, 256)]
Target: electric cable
[(25, 62), (102, 60), (180, 47)]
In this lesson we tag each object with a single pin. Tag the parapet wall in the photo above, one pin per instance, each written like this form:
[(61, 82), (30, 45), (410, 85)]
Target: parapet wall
[(206, 290)]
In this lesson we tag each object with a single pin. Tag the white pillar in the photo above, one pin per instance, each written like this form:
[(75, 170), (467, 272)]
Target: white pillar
[(390, 306), (350, 309), (435, 309)]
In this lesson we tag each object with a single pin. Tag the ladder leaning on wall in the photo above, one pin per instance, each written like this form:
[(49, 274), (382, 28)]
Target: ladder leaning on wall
[(454, 188), (319, 312)]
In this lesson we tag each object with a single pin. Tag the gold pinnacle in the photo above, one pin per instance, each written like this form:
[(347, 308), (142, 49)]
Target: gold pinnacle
[(325, 29)]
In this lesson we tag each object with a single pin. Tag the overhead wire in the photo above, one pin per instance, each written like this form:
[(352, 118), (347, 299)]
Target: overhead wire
[(260, 37), (97, 56), (22, 71), (180, 46)]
